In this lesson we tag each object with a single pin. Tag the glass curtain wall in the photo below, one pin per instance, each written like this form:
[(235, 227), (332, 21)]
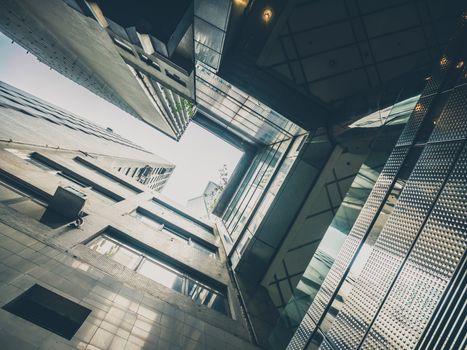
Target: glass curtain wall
[(253, 186), (310, 283)]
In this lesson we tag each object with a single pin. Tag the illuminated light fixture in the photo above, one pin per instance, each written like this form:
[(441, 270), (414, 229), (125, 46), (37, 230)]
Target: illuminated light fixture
[(267, 15), (460, 64), (418, 107), (428, 78), (241, 3), (443, 61)]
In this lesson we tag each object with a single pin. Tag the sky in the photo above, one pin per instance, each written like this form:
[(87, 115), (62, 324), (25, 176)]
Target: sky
[(198, 155)]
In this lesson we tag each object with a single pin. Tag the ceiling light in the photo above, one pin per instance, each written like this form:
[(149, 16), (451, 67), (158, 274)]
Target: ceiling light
[(460, 64), (443, 61), (241, 3), (267, 15)]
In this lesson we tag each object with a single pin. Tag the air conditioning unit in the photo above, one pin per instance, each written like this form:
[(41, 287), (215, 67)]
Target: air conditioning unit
[(67, 202)]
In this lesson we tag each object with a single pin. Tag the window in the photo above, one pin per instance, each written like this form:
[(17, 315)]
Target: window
[(123, 45), (27, 157), (177, 233), (108, 176), (49, 310), (21, 202), (159, 271), (25, 201), (185, 217), (104, 194), (175, 77), (149, 62)]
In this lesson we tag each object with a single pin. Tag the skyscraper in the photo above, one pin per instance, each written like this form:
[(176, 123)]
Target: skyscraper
[(144, 66), (203, 205), (30, 124), (91, 257), (343, 226)]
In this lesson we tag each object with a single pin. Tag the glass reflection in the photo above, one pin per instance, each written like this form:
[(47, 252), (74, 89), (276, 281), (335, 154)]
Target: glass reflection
[(253, 186), (248, 116), (115, 251), (367, 247), (162, 275), (21, 202), (160, 272), (307, 288)]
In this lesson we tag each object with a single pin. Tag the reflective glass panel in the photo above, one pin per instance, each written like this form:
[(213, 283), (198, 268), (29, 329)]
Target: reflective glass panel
[(161, 274), (115, 251)]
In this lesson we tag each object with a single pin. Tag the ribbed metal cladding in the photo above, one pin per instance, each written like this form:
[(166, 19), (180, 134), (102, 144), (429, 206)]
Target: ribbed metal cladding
[(349, 249), (428, 269), (393, 245)]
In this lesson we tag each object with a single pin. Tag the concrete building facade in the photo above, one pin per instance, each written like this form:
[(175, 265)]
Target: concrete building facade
[(345, 227), (111, 50), (28, 121), (142, 272)]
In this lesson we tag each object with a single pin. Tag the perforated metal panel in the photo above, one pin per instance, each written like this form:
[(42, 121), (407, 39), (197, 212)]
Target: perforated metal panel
[(435, 81), (416, 119), (462, 77), (349, 248), (359, 230), (302, 334), (447, 328), (393, 245), (325, 346), (427, 271), (452, 124)]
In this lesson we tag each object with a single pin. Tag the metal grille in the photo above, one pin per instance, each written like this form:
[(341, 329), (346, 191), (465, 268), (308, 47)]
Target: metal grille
[(452, 124), (393, 245)]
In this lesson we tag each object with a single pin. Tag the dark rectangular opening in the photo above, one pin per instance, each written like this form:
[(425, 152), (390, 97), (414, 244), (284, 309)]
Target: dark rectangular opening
[(149, 61), (49, 310), (175, 78), (121, 44)]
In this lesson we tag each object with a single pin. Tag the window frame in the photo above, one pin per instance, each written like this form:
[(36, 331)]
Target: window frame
[(174, 230), (144, 255)]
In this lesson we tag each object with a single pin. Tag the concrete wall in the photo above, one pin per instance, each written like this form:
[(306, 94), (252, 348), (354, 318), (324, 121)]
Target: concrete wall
[(129, 311)]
